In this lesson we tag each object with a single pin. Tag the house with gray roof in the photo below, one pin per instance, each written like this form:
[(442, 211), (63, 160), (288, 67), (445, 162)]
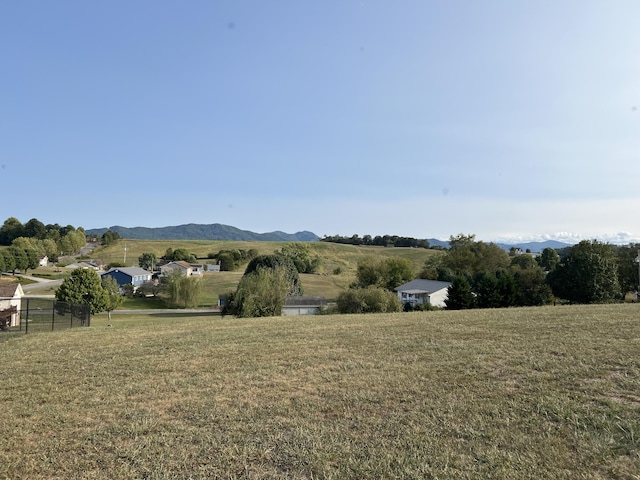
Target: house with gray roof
[(135, 276), (421, 291)]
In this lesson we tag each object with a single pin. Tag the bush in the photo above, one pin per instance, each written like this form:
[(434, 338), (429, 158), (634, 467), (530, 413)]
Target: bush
[(368, 300)]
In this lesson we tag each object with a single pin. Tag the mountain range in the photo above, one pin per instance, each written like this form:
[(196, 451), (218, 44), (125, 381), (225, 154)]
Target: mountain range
[(217, 231), (194, 231)]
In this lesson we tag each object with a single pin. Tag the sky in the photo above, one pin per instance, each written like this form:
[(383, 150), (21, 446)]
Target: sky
[(513, 121)]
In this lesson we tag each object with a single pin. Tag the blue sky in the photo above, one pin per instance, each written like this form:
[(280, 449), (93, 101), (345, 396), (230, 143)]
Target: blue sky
[(509, 120)]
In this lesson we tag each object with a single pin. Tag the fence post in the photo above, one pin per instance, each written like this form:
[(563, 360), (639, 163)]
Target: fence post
[(26, 320), (53, 315)]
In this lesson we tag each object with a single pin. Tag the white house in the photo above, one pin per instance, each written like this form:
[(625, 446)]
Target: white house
[(303, 305), (11, 296), (420, 291)]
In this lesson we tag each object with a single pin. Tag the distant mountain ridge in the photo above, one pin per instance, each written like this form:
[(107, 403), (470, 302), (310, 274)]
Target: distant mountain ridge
[(215, 231)]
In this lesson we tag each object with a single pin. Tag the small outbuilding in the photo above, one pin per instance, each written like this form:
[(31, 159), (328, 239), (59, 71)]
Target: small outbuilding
[(303, 305), (421, 291)]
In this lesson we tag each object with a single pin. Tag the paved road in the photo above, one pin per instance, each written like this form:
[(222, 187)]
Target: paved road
[(39, 283)]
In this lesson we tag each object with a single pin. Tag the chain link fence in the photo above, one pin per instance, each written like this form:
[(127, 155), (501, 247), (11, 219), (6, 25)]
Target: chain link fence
[(44, 315)]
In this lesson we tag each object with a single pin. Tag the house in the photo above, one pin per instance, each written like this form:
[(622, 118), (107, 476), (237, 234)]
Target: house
[(88, 265), (11, 296), (197, 269), (43, 260), (179, 265), (420, 291), (135, 276), (303, 306)]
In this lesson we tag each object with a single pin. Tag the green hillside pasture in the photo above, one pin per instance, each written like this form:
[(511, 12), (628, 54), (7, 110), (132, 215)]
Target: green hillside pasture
[(333, 255), (549, 392), (200, 248)]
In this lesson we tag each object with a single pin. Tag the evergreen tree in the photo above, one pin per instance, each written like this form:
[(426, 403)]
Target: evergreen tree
[(460, 296)]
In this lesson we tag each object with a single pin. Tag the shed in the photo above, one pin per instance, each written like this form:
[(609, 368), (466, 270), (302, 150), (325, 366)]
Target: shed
[(303, 305)]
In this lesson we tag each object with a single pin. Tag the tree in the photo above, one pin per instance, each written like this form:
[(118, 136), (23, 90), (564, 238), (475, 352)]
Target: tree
[(267, 281), (227, 261), (294, 287), (627, 259), (524, 261), (147, 261), (459, 294), (112, 294), (549, 259), (487, 291), (179, 254), (532, 287), (388, 273), (180, 290), (34, 228), (396, 271), (109, 237), (83, 287), (32, 259), (368, 272), (9, 261), (301, 256), (588, 274), (10, 230), (261, 293), (21, 261), (468, 257)]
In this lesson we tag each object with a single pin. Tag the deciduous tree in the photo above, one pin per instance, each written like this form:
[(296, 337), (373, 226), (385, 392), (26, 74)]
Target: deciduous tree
[(112, 294), (147, 261), (588, 274), (83, 287)]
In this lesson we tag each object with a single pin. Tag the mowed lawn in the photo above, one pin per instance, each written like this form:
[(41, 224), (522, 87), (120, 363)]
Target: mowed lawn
[(548, 393)]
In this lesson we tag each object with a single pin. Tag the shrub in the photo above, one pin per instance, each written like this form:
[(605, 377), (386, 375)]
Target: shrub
[(368, 300)]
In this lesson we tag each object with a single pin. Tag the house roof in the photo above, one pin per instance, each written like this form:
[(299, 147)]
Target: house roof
[(131, 271), (10, 290), (420, 285), (305, 301), (180, 263)]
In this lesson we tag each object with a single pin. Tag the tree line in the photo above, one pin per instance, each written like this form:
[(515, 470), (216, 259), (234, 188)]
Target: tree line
[(49, 240), (484, 276), (378, 240)]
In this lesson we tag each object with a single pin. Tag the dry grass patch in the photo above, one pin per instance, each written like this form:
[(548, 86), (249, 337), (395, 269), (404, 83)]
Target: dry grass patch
[(518, 393)]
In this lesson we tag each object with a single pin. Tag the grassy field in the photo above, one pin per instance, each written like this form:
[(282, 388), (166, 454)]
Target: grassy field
[(548, 393), (333, 255)]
